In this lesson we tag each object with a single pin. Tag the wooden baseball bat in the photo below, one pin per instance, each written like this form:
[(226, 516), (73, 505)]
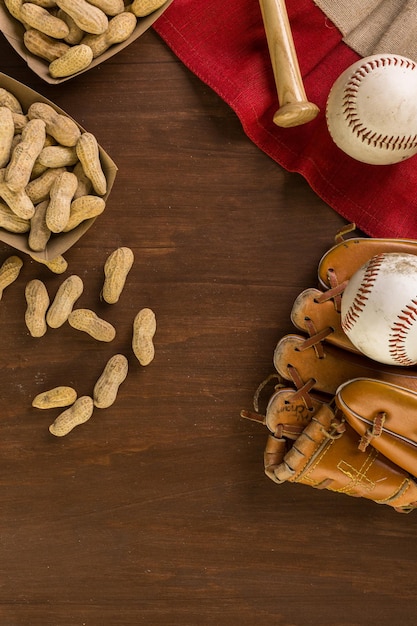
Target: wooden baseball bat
[(294, 108)]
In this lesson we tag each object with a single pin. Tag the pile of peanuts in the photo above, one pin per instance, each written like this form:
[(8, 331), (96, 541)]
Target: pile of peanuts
[(70, 34), (41, 313), (51, 176), (51, 180)]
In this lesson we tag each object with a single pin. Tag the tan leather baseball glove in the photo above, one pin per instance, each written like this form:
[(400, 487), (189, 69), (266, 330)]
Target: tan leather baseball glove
[(338, 420)]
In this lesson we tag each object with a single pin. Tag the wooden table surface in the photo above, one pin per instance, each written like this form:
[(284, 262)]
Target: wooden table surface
[(157, 511)]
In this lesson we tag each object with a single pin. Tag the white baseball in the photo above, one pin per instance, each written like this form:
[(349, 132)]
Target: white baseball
[(379, 309), (371, 110)]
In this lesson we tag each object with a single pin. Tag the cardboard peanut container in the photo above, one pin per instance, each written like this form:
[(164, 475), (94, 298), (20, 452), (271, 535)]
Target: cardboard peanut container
[(59, 242), (14, 32)]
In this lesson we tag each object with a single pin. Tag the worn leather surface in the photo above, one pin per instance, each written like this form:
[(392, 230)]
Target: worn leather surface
[(308, 311), (338, 419), (326, 456), (361, 400), (286, 414), (346, 257), (335, 368)]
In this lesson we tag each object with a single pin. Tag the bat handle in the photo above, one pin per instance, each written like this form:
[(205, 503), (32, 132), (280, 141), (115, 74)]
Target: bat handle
[(294, 108)]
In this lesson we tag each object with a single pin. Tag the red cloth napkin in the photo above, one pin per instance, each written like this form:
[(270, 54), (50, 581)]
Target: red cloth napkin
[(223, 42)]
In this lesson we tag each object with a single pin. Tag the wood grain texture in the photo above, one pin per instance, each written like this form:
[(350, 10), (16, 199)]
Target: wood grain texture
[(157, 510)]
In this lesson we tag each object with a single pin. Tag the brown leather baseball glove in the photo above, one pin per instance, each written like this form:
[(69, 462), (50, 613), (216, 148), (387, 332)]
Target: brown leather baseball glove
[(337, 419)]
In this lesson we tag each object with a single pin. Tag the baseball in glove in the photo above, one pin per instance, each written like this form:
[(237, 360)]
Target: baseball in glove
[(337, 419)]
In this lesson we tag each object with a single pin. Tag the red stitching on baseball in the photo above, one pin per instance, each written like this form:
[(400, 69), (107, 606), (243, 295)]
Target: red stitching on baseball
[(399, 332), (349, 108), (361, 297)]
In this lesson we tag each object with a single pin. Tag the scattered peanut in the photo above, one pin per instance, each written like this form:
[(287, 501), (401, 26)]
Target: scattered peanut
[(24, 155), (16, 139), (88, 153), (6, 134), (19, 120), (11, 222), (107, 386), (39, 187), (18, 201), (7, 99), (66, 296), (46, 4), (109, 7), (9, 271), (58, 265), (43, 46), (85, 186), (141, 8), (144, 328), (59, 207), (76, 59), (120, 28), (75, 33), (59, 126), (41, 19), (14, 7), (84, 208), (37, 304), (55, 398), (57, 156), (87, 17), (49, 141), (116, 269), (39, 233), (39, 168), (77, 414), (88, 322)]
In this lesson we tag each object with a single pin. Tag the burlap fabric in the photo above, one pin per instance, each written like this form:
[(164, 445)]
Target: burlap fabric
[(375, 26)]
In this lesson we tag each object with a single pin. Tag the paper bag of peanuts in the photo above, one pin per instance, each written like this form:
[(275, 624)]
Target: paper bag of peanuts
[(55, 178), (60, 39)]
